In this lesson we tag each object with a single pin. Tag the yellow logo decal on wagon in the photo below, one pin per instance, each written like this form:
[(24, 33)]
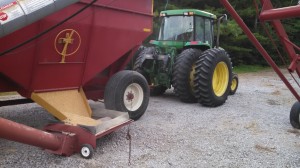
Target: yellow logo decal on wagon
[(67, 42)]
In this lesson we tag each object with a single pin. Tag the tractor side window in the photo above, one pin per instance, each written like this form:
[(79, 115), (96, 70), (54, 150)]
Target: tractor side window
[(200, 27), (208, 31), (177, 28)]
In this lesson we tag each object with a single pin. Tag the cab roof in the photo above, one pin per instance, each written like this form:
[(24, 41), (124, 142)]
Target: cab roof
[(195, 12)]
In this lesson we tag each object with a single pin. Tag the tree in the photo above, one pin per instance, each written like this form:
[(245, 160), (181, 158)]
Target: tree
[(232, 38)]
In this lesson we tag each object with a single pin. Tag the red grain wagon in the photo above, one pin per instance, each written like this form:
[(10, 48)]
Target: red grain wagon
[(72, 55)]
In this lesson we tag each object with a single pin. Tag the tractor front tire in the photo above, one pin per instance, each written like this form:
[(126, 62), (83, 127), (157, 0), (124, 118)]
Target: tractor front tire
[(234, 84), (138, 66), (127, 91), (294, 115), (213, 77), (183, 75), (140, 58)]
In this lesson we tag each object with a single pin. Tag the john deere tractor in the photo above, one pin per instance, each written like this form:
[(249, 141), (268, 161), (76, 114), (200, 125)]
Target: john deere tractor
[(187, 56)]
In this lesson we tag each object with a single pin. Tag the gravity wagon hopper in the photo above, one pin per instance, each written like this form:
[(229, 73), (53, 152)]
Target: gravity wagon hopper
[(274, 16), (60, 54)]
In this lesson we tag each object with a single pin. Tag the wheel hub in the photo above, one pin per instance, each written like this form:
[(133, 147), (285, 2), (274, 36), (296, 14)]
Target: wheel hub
[(130, 96), (133, 97), (85, 151)]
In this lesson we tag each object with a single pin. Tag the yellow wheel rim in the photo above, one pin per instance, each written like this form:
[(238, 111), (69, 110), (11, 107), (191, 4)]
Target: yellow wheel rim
[(192, 76), (233, 84), (220, 79)]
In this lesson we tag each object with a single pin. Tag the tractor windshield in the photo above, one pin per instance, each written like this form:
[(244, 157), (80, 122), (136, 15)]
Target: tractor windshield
[(177, 28)]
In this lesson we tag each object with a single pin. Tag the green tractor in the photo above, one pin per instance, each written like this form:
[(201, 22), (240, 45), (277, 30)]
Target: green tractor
[(187, 57)]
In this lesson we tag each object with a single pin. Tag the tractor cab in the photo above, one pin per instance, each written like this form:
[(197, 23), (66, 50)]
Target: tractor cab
[(186, 27)]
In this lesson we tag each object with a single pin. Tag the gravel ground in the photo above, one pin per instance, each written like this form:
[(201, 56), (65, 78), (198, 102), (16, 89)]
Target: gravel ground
[(251, 129)]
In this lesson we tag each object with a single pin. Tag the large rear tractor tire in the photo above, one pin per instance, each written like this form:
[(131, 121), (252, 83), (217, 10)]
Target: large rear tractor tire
[(127, 91), (294, 115), (213, 77), (154, 90), (183, 75), (234, 84)]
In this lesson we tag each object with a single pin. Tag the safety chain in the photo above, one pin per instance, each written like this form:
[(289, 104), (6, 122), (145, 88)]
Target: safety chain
[(128, 137)]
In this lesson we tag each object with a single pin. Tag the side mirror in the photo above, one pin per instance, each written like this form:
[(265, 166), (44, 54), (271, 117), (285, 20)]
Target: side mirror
[(222, 18)]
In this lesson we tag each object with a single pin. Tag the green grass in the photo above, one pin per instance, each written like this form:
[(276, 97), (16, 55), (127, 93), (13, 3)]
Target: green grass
[(249, 68)]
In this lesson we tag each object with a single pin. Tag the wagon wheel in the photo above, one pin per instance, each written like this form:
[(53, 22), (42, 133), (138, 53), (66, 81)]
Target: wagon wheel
[(183, 75), (127, 91), (294, 115), (213, 77), (86, 151)]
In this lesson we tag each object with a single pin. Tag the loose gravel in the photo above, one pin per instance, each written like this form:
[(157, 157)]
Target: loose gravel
[(251, 129)]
